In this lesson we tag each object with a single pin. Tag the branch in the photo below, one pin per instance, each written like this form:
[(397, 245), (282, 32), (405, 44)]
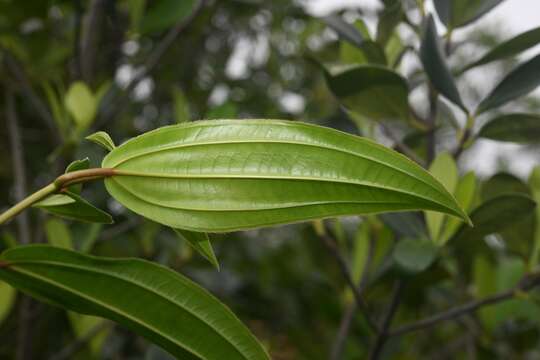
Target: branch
[(402, 147), (24, 330), (432, 118), (69, 351), (350, 312), (331, 245), (71, 178), (89, 39), (39, 106), (152, 61), (17, 159), (383, 335), (527, 283)]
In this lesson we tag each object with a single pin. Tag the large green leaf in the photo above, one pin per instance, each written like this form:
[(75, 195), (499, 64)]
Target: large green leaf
[(509, 48), (517, 127), (433, 61), (456, 13), (155, 302), (164, 13), (520, 81), (226, 175), (373, 91)]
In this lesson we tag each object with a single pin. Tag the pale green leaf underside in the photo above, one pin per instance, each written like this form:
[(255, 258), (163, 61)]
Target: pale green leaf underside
[(225, 175), (155, 302)]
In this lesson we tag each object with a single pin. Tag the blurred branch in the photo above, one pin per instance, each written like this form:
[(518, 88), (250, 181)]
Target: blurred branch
[(350, 312), (332, 246), (69, 351), (383, 335), (90, 32), (401, 146), (17, 160), (118, 104), (39, 106), (78, 9), (24, 330), (432, 118), (527, 283)]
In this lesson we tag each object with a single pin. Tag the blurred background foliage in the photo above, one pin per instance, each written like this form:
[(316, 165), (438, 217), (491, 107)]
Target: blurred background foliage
[(72, 67)]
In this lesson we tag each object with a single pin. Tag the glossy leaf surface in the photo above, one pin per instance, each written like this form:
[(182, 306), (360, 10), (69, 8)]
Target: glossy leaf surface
[(433, 61), (518, 127), (520, 81), (509, 48), (219, 176), (157, 303), (372, 91)]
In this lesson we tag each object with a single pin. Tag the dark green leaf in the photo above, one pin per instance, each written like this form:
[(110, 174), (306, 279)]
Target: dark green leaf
[(509, 48), (204, 176), (155, 302), (345, 30), (165, 13), (456, 13), (201, 243), (518, 127), (73, 207), (372, 91), (519, 236), (433, 61), (372, 51), (495, 215), (415, 255), (102, 139), (520, 81), (406, 224)]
